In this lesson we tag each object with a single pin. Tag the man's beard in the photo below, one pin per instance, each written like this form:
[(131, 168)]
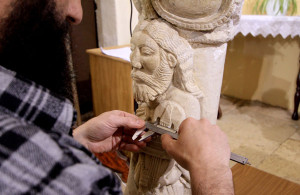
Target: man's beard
[(32, 43), (147, 87)]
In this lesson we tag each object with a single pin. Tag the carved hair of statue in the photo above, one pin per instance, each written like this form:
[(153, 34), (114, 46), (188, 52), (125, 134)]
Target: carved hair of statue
[(145, 9), (170, 42)]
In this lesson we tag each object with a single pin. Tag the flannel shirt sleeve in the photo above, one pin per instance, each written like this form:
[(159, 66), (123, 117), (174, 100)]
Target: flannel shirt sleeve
[(34, 161)]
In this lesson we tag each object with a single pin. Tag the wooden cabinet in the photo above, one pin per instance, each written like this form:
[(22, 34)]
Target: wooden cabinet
[(111, 82)]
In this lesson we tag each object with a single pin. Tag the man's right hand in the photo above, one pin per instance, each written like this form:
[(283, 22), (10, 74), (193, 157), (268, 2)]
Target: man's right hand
[(202, 149)]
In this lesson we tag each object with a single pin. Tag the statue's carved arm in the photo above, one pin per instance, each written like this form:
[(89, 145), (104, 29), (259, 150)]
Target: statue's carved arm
[(144, 112), (170, 114)]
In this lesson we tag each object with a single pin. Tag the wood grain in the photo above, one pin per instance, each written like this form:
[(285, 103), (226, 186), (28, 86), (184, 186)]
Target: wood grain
[(111, 83), (249, 180), (117, 164), (111, 90)]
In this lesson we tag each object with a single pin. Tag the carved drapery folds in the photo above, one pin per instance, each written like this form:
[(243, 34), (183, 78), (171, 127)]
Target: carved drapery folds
[(178, 54)]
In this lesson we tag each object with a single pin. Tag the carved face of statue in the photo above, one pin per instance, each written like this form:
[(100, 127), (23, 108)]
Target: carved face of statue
[(145, 54), (152, 68)]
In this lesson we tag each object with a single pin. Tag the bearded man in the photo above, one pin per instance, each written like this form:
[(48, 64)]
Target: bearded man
[(165, 90), (37, 155), (36, 114), (163, 75)]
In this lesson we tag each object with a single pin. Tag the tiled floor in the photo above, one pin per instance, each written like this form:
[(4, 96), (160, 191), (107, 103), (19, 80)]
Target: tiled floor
[(266, 135)]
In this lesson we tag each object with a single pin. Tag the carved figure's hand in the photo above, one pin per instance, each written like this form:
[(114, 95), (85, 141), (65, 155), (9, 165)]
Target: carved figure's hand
[(110, 131), (143, 112), (165, 114), (170, 114), (203, 149)]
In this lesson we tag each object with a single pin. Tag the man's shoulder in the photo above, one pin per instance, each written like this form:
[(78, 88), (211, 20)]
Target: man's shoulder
[(183, 98), (178, 95), (9, 122), (184, 101)]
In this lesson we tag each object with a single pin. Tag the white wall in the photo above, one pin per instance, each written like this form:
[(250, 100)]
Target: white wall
[(263, 69), (113, 18), (123, 21)]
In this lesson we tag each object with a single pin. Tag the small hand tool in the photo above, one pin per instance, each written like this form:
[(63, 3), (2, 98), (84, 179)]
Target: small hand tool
[(155, 128)]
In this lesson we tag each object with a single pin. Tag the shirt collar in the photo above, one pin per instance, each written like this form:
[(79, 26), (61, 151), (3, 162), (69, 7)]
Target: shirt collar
[(34, 104)]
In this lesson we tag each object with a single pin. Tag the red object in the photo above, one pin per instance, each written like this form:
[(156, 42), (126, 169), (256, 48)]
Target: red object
[(113, 161)]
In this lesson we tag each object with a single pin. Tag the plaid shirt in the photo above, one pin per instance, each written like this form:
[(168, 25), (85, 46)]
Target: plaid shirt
[(37, 156)]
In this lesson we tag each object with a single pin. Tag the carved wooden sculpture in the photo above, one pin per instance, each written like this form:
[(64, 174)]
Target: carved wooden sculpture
[(178, 55)]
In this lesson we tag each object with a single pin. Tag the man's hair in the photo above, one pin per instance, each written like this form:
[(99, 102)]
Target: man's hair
[(32, 43), (171, 42)]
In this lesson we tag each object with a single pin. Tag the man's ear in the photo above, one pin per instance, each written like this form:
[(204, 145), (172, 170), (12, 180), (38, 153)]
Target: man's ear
[(172, 61)]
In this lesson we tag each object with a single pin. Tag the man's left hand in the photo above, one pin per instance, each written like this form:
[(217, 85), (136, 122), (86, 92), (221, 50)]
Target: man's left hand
[(110, 131)]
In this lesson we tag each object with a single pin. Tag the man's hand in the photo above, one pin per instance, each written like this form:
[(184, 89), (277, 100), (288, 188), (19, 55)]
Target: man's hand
[(110, 131), (202, 148)]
